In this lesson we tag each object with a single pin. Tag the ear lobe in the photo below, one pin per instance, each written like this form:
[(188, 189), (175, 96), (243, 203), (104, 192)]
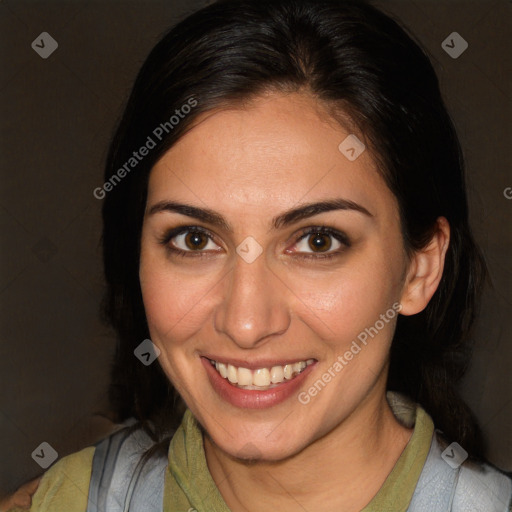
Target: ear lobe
[(425, 271)]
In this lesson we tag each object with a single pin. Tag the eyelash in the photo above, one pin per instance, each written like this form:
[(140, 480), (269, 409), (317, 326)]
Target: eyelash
[(313, 230)]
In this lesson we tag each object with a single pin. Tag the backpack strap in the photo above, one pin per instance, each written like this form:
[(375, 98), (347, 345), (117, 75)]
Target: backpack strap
[(484, 488), (120, 481), (462, 489)]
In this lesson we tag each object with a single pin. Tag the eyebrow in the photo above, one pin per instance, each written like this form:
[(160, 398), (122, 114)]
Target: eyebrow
[(285, 219)]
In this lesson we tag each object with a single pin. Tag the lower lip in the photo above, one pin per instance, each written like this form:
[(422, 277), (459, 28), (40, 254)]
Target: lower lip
[(252, 398)]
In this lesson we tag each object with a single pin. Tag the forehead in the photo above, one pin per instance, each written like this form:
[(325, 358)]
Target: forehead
[(275, 152)]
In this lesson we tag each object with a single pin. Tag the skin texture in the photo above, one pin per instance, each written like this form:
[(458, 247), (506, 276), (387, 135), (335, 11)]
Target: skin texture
[(250, 164)]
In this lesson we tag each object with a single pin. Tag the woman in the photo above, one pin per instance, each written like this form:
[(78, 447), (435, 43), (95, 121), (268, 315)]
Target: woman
[(292, 276)]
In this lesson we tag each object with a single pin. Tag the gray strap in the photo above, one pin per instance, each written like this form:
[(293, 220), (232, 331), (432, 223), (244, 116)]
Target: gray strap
[(484, 490), (437, 483), (120, 482), (441, 488), (103, 464), (146, 489)]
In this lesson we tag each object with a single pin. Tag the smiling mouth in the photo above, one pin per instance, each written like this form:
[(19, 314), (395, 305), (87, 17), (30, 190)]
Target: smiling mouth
[(260, 379)]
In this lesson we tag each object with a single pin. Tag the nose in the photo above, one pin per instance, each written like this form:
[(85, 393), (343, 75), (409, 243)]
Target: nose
[(254, 306)]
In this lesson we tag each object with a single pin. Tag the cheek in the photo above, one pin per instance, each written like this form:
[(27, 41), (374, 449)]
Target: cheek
[(348, 322), (176, 305), (340, 305), (176, 308)]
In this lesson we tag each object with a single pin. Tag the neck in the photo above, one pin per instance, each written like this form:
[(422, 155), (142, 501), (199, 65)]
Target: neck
[(343, 470)]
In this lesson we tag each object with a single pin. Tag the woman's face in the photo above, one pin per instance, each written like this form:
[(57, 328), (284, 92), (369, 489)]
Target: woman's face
[(295, 301)]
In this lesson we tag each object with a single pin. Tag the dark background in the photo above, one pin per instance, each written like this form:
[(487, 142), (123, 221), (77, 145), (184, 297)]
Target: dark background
[(56, 119)]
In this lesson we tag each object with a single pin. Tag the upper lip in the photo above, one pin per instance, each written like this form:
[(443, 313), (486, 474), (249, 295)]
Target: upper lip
[(254, 365)]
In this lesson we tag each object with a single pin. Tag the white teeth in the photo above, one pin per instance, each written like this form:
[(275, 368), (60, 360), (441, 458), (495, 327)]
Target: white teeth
[(276, 374), (222, 370), (232, 374), (261, 378), (244, 377), (298, 367), (288, 371)]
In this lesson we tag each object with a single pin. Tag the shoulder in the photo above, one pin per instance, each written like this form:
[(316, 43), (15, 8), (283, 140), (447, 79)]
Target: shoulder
[(108, 465), (65, 486), (127, 471), (449, 482), (108, 470), (484, 488)]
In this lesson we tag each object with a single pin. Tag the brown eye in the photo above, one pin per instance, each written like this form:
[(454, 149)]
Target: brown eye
[(319, 242), (195, 240), (189, 240)]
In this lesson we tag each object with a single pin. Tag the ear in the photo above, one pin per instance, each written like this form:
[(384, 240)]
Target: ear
[(425, 271)]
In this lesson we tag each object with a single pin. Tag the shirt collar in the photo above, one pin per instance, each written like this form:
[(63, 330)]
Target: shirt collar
[(189, 484)]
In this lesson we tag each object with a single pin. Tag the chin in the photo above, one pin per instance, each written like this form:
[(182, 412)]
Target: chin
[(256, 446)]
